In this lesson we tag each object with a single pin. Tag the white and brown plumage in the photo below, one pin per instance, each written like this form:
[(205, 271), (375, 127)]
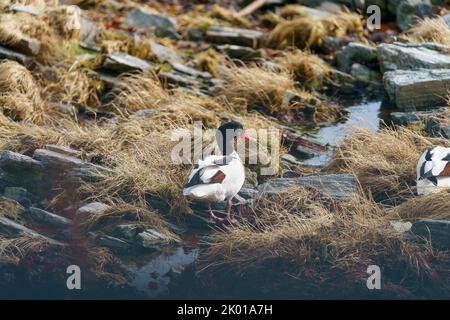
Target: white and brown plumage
[(433, 170), (219, 177)]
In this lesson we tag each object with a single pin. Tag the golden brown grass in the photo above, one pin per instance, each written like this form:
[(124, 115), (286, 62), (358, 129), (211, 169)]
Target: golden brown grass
[(292, 11), (307, 32), (267, 91), (303, 243), (385, 161), (430, 30), (20, 97), (307, 69), (76, 85), (138, 91), (12, 250), (432, 206), (14, 27)]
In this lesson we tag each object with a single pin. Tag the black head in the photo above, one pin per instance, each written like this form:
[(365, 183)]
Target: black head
[(225, 135)]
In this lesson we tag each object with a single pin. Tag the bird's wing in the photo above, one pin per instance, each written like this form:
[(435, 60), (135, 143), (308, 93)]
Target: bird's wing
[(206, 175), (440, 162), (434, 162)]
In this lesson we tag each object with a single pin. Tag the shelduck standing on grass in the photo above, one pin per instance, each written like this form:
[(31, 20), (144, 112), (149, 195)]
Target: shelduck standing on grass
[(433, 170), (219, 177)]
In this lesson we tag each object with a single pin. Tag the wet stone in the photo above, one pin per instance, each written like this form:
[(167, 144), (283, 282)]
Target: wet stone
[(412, 56), (20, 195), (48, 218), (123, 62), (340, 186), (411, 90), (128, 231), (356, 53), (240, 52), (91, 209), (242, 37), (11, 228), (141, 18), (152, 239), (9, 54)]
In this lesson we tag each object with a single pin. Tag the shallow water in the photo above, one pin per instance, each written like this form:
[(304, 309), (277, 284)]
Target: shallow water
[(361, 116)]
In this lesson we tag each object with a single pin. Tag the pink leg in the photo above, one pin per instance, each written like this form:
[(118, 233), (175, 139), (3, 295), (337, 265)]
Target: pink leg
[(212, 215), (230, 217)]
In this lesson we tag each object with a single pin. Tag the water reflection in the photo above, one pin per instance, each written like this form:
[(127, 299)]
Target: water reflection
[(361, 116), (153, 273)]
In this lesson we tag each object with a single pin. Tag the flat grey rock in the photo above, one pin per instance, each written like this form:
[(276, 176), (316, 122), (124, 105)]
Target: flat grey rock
[(338, 186), (418, 89), (48, 218), (412, 56), (438, 231)]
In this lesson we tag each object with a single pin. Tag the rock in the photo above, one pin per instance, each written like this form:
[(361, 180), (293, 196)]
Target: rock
[(88, 32), (63, 150), (152, 239), (165, 54), (438, 231), (17, 7), (412, 56), (289, 158), (364, 74), (240, 52), (433, 126), (48, 218), (26, 45), (141, 18), (163, 26), (405, 118), (338, 186), (241, 37), (248, 193), (90, 209), (64, 168), (6, 53), (144, 113), (446, 131), (177, 79), (401, 226), (409, 10), (356, 53), (411, 90), (181, 68), (112, 243), (123, 62), (446, 19), (128, 231), (19, 194), (414, 117), (302, 147), (17, 170), (11, 228), (334, 44), (167, 33)]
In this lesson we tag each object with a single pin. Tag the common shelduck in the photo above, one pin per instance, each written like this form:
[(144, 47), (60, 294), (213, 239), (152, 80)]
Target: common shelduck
[(219, 177), (433, 170)]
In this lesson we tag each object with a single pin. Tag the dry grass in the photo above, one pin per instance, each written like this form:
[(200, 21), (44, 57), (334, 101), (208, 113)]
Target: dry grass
[(20, 97), (268, 92), (75, 85), (304, 243), (208, 61), (15, 27), (138, 91), (261, 89), (307, 32), (292, 11), (430, 30), (432, 206), (307, 69), (13, 250), (385, 161)]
